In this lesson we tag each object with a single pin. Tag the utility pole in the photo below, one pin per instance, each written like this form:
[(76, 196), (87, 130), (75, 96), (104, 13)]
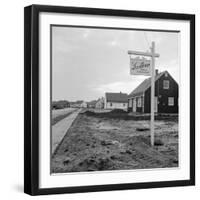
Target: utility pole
[(152, 91)]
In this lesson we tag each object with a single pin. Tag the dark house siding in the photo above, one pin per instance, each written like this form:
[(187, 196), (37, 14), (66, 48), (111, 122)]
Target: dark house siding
[(139, 109), (130, 105), (163, 95)]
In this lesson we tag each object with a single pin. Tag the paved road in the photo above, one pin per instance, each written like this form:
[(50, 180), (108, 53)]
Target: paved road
[(59, 129)]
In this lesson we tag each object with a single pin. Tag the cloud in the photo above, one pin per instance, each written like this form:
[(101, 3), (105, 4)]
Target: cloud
[(89, 62), (118, 86)]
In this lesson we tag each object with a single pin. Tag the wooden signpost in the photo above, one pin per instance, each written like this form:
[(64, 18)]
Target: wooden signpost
[(137, 68)]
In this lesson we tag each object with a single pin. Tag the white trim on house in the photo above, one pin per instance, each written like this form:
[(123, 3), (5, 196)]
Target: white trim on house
[(134, 109), (116, 105), (116, 101)]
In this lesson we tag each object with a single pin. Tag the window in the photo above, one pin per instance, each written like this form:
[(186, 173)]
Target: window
[(139, 102), (170, 101), (165, 84)]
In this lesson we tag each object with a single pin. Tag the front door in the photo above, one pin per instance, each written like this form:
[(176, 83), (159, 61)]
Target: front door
[(134, 105)]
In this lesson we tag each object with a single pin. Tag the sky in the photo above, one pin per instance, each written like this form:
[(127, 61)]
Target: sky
[(87, 62)]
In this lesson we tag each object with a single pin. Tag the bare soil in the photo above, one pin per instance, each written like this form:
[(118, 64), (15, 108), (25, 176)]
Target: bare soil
[(96, 143)]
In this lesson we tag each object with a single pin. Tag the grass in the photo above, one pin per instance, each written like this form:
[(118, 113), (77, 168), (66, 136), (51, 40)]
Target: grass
[(58, 118)]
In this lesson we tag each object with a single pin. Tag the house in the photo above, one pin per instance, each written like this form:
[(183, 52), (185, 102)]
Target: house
[(166, 95), (92, 104), (76, 104), (100, 103), (116, 101), (84, 104)]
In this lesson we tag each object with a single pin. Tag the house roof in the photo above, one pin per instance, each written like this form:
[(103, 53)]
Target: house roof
[(145, 85), (116, 97)]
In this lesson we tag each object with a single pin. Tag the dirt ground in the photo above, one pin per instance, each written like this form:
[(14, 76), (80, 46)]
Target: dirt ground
[(101, 143)]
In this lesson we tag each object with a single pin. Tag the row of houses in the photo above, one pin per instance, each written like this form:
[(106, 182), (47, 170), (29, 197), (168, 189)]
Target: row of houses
[(139, 100), (78, 104), (99, 103)]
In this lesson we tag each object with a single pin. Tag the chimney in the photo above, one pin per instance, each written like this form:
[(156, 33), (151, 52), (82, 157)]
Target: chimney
[(156, 72)]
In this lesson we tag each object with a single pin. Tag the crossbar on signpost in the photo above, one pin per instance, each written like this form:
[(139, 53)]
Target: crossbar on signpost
[(153, 55)]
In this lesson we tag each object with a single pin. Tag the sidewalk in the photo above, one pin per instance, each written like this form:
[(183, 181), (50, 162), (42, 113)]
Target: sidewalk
[(59, 129)]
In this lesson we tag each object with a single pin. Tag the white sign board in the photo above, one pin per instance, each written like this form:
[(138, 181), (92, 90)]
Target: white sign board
[(140, 66)]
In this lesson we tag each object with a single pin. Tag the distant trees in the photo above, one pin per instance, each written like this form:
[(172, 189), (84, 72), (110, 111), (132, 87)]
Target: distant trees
[(60, 104)]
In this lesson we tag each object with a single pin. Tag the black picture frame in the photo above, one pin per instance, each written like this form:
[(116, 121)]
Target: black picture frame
[(31, 98)]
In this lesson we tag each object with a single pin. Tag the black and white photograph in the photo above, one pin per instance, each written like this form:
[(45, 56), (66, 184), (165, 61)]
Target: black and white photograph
[(109, 99), (114, 99)]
